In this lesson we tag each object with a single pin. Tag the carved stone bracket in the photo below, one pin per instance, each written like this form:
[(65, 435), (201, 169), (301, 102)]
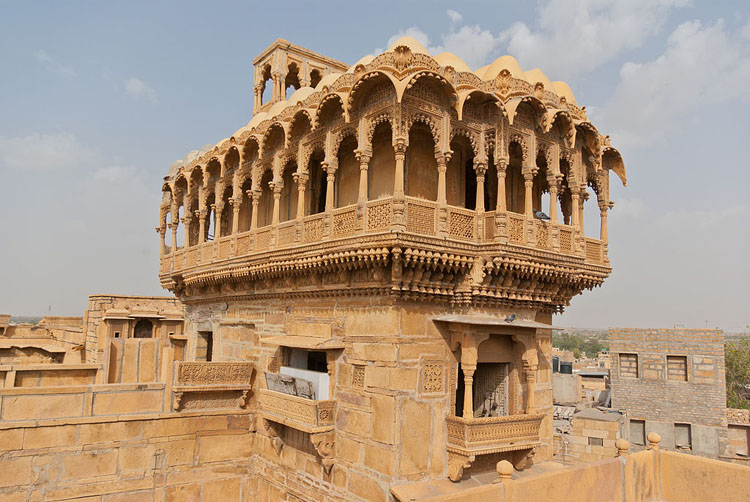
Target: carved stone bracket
[(457, 464), (324, 443), (278, 443)]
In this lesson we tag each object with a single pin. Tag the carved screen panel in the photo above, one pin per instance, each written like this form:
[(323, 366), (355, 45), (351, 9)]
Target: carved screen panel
[(491, 390)]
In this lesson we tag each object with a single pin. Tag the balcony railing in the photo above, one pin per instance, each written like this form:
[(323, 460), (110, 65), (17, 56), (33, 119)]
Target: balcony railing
[(421, 217), (307, 415), (203, 385), (479, 436)]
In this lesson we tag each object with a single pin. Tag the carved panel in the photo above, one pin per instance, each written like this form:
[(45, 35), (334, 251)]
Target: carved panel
[(358, 377), (420, 216), (312, 229), (345, 222), (461, 223), (542, 235), (433, 376), (378, 215), (263, 239), (516, 228), (566, 240), (214, 373)]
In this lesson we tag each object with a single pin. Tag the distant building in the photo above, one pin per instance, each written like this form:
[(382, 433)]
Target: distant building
[(671, 382)]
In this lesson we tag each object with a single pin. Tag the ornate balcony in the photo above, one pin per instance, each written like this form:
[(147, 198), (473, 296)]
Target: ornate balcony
[(306, 415), (469, 437), (203, 385), (503, 240)]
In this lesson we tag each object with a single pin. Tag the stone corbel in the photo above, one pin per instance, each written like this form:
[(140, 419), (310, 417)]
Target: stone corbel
[(324, 443), (178, 401), (242, 400), (457, 464), (278, 444)]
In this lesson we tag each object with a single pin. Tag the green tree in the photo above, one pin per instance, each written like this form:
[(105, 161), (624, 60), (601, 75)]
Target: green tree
[(737, 362)]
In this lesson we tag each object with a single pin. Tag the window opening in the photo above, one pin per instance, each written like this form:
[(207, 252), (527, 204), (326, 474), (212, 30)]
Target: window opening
[(143, 329)]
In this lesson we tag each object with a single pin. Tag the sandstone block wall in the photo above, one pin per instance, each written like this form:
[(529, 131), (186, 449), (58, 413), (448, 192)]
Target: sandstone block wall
[(662, 402), (151, 458), (393, 385)]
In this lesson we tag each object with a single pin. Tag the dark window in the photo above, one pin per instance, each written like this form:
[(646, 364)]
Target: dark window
[(677, 368), (204, 346), (683, 437), (316, 361), (629, 365), (596, 442), (638, 432), (143, 329), (117, 334)]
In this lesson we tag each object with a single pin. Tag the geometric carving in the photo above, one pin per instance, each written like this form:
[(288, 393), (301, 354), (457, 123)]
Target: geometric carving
[(432, 377), (214, 373), (358, 377)]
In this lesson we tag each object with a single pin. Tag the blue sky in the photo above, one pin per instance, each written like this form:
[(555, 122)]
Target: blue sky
[(97, 99)]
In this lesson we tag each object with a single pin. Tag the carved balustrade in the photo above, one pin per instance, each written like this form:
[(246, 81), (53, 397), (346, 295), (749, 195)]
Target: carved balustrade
[(478, 436), (422, 217), (303, 414), (209, 385)]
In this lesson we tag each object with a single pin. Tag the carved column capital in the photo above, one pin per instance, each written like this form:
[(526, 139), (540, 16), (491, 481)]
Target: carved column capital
[(399, 147)]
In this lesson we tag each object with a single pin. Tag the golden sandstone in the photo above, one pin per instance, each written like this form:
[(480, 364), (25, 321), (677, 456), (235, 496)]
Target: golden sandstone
[(367, 274)]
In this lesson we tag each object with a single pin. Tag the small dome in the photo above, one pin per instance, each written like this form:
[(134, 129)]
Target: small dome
[(364, 61), (536, 75), (504, 63), (563, 90), (221, 142), (481, 71), (257, 119), (450, 59), (411, 43), (276, 108), (327, 80), (300, 95)]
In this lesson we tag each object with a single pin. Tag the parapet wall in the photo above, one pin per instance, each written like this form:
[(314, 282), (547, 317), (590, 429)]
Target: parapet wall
[(197, 457)]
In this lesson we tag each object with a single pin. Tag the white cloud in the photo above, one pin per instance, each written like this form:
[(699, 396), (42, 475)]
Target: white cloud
[(43, 152), (54, 66), (137, 89), (572, 37), (456, 17), (702, 65), (471, 43), (115, 173)]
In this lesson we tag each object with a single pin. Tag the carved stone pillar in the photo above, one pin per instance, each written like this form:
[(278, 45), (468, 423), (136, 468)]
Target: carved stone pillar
[(257, 98), (468, 389), (218, 209), (364, 163), (399, 203), (552, 182), (277, 187), (442, 196), (201, 214), (528, 184), (187, 220), (173, 226), (278, 83), (255, 198), (502, 165), (603, 208), (301, 180), (330, 169), (574, 209), (480, 169), (530, 383), (584, 197), (236, 205)]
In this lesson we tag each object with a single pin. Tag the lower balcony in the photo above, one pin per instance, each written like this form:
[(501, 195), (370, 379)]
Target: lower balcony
[(299, 413), (471, 437), (479, 436)]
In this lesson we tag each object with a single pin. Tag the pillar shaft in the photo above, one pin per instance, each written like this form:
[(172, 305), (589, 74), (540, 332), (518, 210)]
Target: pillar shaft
[(553, 203), (469, 391), (529, 184)]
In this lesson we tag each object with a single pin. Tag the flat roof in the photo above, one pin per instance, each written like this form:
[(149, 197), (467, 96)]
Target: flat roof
[(476, 320)]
